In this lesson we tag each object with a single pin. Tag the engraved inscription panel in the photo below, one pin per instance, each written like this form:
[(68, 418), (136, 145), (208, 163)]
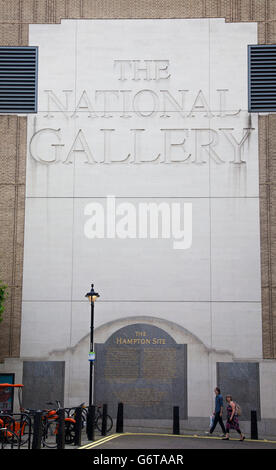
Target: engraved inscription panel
[(142, 366)]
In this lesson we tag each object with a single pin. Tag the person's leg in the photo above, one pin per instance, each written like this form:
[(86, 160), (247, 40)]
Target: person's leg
[(227, 431), (215, 422), (221, 424), (242, 437)]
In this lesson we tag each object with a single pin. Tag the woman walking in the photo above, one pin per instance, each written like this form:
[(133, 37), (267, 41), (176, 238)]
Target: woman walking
[(232, 419)]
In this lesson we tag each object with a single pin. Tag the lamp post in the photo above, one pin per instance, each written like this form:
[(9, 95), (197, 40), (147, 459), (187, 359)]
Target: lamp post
[(92, 297)]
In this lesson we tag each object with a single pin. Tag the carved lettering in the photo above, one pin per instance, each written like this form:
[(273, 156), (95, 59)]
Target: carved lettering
[(80, 145), (137, 144), (169, 146), (52, 98), (143, 103), (141, 95), (147, 69), (200, 104), (168, 98), (180, 145), (36, 153), (237, 145), (106, 95), (207, 146), (84, 105), (222, 104)]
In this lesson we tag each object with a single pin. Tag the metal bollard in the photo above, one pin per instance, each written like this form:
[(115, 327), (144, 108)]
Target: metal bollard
[(61, 429), (90, 423), (176, 428), (254, 425), (120, 418), (37, 430), (78, 425), (104, 420)]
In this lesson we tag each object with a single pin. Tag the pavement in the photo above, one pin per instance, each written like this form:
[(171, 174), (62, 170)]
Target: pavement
[(156, 440), (187, 440)]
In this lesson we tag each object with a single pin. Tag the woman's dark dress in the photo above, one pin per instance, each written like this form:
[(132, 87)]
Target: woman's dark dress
[(234, 424)]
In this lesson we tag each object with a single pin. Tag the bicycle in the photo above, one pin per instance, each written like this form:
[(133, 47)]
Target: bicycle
[(50, 427), (98, 417), (99, 420), (8, 437), (17, 425), (71, 413)]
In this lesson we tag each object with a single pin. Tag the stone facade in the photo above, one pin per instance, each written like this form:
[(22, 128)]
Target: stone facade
[(15, 17), (147, 147)]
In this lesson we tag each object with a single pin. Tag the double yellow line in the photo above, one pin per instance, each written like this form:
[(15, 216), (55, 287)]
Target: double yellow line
[(189, 436), (195, 436), (100, 441)]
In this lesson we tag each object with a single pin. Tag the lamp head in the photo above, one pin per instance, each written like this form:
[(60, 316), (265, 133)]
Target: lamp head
[(92, 295)]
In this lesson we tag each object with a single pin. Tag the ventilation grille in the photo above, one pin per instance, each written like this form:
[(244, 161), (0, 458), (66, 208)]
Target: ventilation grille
[(262, 78), (18, 79)]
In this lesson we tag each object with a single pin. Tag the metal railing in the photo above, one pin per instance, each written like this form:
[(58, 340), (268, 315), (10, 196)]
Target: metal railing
[(16, 430)]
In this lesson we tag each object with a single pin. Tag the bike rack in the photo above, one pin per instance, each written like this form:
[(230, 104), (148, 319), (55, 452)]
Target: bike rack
[(28, 426), (16, 422), (61, 429)]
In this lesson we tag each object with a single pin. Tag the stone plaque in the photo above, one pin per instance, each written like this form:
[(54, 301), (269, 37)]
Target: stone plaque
[(242, 381), (144, 368)]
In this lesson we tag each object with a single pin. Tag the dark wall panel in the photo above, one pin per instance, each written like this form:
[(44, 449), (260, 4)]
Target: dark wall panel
[(43, 381), (242, 381)]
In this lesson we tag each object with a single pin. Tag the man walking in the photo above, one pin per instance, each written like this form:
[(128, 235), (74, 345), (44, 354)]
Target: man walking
[(218, 411)]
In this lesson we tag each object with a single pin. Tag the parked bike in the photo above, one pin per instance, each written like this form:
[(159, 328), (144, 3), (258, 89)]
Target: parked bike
[(98, 417), (16, 427), (8, 438), (51, 426)]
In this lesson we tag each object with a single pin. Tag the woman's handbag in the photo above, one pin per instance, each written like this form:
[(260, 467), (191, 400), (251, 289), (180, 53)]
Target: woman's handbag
[(238, 409)]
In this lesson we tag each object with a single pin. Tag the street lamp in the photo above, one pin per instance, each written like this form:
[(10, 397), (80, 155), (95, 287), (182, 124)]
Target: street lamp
[(92, 297)]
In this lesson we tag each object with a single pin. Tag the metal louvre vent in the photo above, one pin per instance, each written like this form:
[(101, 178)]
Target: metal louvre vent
[(18, 79), (262, 78)]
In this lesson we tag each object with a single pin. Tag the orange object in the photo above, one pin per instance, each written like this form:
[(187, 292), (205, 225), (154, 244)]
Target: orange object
[(52, 414), (17, 427), (71, 420), (11, 385)]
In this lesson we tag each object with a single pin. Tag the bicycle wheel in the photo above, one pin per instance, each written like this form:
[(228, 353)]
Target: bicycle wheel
[(109, 423), (72, 414), (49, 435), (11, 434), (26, 433), (8, 439), (69, 430)]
